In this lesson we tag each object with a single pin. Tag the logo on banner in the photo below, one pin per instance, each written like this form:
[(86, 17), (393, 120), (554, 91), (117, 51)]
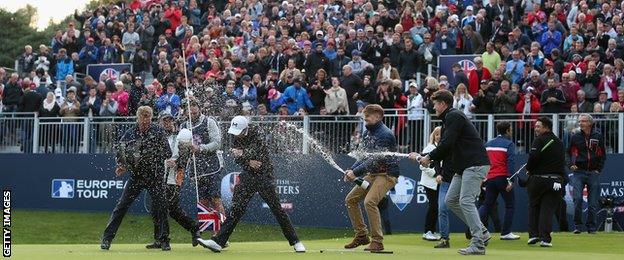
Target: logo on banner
[(467, 65), (111, 73), (63, 189), (228, 183), (403, 192)]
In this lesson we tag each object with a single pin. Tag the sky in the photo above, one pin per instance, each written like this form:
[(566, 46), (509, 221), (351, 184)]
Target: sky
[(55, 9)]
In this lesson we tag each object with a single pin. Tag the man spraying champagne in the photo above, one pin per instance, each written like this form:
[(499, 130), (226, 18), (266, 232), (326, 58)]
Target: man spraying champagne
[(381, 172)]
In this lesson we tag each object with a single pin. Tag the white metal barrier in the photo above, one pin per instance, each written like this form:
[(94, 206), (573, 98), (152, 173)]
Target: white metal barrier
[(27, 133)]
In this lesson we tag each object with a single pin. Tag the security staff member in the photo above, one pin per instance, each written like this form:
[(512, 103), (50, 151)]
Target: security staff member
[(180, 144), (143, 151), (546, 169), (252, 154), (587, 158)]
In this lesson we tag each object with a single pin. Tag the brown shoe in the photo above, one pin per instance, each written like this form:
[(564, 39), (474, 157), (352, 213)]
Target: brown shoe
[(358, 241), (374, 247)]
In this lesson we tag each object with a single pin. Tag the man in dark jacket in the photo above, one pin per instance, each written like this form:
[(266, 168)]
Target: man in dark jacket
[(408, 61), (31, 103), (545, 168), (587, 158), (353, 85), (459, 77), (381, 171), (461, 139), (252, 154), (12, 94), (553, 99), (143, 151), (338, 63), (316, 61)]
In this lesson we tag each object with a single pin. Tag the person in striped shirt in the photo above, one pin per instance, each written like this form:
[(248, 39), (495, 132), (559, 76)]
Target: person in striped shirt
[(501, 151)]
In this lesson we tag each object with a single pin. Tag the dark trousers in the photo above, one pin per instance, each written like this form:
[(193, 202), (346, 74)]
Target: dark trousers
[(561, 213), (249, 185), (579, 180), (175, 211), (494, 187), (431, 218), (134, 187), (543, 201)]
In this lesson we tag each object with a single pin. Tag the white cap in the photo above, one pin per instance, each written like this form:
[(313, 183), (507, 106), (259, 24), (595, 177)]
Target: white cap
[(239, 123), (319, 32), (184, 135)]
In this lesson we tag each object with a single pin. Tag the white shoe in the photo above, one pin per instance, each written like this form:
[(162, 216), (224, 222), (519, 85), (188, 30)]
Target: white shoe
[(210, 244), (545, 244), (510, 236), (430, 237), (299, 247)]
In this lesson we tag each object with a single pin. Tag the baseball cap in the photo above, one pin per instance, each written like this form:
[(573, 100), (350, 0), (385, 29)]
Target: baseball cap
[(356, 52), (71, 89), (185, 135), (319, 32), (413, 84), (246, 78), (469, 8), (239, 123), (484, 81), (164, 114)]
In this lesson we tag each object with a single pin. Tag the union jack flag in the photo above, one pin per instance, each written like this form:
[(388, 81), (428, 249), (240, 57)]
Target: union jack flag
[(467, 65), (111, 73), (209, 218)]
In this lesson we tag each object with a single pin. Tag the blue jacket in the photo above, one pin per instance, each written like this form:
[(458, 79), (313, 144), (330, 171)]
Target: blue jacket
[(550, 41), (274, 105), (85, 58), (377, 138), (296, 98), (251, 97), (64, 67), (168, 100)]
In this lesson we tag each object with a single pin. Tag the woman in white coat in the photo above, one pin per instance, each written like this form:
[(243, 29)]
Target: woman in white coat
[(428, 181), (463, 100)]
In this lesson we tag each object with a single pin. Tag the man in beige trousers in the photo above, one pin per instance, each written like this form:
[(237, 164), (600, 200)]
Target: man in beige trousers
[(380, 172)]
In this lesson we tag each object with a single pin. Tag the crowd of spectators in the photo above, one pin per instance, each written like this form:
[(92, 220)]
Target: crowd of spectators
[(328, 57)]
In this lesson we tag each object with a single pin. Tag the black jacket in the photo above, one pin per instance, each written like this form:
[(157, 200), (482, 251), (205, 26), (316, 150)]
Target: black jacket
[(461, 140), (545, 159), (31, 102), (352, 84), (587, 152), (253, 148), (144, 153), (12, 94)]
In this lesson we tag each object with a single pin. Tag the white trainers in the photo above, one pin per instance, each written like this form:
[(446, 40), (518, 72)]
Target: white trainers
[(430, 236), (510, 236), (299, 247), (210, 244), (545, 244)]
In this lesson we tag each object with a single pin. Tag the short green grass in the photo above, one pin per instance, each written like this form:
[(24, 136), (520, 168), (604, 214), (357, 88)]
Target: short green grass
[(72, 235)]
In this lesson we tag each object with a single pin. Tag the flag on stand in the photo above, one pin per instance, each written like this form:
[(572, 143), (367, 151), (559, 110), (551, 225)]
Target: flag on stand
[(209, 218)]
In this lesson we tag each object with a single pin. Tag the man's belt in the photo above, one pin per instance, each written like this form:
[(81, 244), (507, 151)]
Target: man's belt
[(549, 176)]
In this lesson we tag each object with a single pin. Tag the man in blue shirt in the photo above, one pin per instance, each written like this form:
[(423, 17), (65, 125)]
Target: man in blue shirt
[(515, 67)]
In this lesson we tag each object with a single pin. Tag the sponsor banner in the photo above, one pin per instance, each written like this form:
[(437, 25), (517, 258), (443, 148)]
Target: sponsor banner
[(112, 70), (445, 63), (311, 191)]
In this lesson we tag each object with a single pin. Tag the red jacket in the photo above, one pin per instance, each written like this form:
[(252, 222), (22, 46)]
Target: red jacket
[(611, 84), (474, 81), (174, 17), (501, 151), (535, 108), (572, 67)]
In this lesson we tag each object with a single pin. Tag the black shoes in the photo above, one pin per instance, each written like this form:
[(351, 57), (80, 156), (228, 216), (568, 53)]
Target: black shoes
[(165, 246), (105, 245), (444, 243), (195, 235), (155, 245)]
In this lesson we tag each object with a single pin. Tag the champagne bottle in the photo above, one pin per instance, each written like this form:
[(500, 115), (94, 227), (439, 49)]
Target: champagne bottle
[(362, 183)]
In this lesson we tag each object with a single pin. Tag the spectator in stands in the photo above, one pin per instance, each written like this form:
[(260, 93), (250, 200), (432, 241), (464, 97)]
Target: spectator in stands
[(358, 65), (137, 92), (476, 76), (445, 42), (339, 62), (89, 53), (12, 94), (387, 71), (107, 52), (64, 65), (27, 60), (553, 99), (550, 39), (169, 101), (352, 84), (607, 83), (505, 100), (122, 98), (603, 102), (515, 67), (463, 100), (296, 97), (70, 108), (408, 61), (336, 99), (247, 93), (316, 60), (275, 100), (483, 103), (429, 51), (491, 59), (582, 104), (91, 104)]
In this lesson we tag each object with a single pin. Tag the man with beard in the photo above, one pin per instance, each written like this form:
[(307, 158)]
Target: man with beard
[(316, 61), (252, 154)]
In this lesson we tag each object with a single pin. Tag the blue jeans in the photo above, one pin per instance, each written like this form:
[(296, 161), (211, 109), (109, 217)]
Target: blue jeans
[(579, 180), (443, 211), (493, 188)]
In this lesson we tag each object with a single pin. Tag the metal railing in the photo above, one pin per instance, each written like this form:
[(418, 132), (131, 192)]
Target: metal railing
[(27, 133)]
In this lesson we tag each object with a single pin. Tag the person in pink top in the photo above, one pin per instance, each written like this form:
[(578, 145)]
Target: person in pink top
[(122, 97)]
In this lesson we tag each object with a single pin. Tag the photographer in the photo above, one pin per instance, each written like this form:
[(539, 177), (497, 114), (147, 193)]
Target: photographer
[(587, 158)]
